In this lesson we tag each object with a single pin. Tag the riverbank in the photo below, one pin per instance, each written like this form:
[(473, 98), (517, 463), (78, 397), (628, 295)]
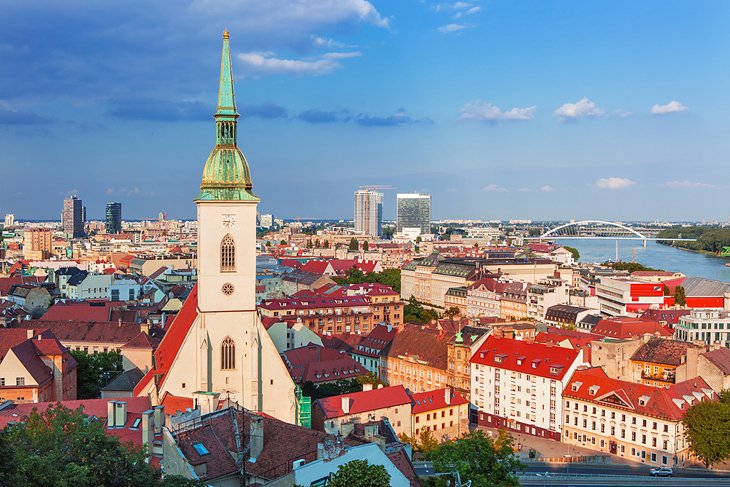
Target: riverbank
[(703, 252)]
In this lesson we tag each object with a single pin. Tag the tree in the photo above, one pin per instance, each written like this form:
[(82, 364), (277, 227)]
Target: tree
[(479, 458), (317, 243), (413, 312), (707, 425), (426, 441), (283, 242), (408, 440), (94, 371), (359, 473), (354, 245), (365, 246), (680, 297), (574, 251), (452, 312), (326, 244)]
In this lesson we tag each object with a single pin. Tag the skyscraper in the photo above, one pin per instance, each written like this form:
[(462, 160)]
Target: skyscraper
[(72, 217), (113, 218), (413, 210), (368, 212)]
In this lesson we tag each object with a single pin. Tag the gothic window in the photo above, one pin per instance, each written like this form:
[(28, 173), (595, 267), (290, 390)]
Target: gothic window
[(228, 354), (228, 254)]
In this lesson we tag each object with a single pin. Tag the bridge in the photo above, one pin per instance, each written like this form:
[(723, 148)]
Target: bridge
[(597, 229)]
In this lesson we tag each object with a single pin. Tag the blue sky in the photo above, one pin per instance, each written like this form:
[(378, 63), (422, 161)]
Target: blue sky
[(513, 109)]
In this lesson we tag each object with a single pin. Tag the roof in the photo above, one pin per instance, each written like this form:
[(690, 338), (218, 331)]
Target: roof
[(341, 341), (314, 302), (701, 287), (7, 282), (433, 400), (720, 358), (625, 327), (80, 311), (176, 404), (578, 340), (80, 331), (564, 312), (125, 381), (9, 337), (667, 403), (662, 351), (376, 342), (312, 363), (142, 340), (543, 360), (29, 358), (670, 316), (363, 402), (422, 343), (172, 341), (300, 276)]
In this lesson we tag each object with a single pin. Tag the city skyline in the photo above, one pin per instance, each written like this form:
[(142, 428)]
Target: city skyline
[(498, 110)]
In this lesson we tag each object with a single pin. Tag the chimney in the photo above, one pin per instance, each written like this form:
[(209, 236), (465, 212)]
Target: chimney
[(121, 413), (447, 395), (145, 327), (119, 323), (148, 431), (159, 419), (390, 327), (29, 333), (367, 387), (110, 412), (320, 451), (256, 437), (346, 405)]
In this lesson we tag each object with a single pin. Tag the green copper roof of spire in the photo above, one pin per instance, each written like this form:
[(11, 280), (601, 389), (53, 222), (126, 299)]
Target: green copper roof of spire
[(226, 176)]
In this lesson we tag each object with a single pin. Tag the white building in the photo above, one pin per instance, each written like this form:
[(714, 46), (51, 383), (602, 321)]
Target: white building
[(368, 212), (545, 294), (518, 385), (217, 344), (622, 296), (704, 325), (413, 213)]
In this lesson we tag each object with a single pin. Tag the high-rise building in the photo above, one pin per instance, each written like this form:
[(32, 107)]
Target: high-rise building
[(413, 210), (113, 218), (368, 212), (73, 217), (37, 243), (9, 220), (222, 350)]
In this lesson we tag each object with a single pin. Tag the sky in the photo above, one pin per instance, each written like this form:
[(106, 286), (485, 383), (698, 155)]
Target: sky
[(519, 109)]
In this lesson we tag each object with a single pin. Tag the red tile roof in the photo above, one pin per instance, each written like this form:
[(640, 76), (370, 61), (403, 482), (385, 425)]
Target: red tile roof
[(80, 311), (433, 400), (314, 302), (318, 364), (657, 402), (9, 337), (7, 282), (423, 343), (142, 340), (539, 359), (172, 342), (579, 340), (317, 266), (176, 404), (341, 341), (721, 359), (363, 402), (670, 316), (376, 342), (625, 327), (79, 331)]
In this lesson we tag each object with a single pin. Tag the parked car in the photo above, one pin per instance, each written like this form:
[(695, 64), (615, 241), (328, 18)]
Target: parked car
[(661, 472)]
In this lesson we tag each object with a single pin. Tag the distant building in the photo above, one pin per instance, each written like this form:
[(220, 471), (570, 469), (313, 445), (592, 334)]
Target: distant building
[(413, 210), (266, 220), (73, 217), (113, 218), (9, 220), (38, 244), (368, 212), (704, 325)]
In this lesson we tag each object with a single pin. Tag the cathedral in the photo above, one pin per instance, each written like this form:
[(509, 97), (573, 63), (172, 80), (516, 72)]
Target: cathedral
[(216, 346)]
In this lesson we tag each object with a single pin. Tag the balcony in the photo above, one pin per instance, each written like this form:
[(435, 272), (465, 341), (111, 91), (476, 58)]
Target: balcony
[(666, 376)]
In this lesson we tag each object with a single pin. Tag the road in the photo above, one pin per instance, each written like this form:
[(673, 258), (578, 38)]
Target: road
[(618, 469)]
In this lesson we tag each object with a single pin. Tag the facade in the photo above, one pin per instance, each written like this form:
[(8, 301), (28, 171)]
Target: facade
[(440, 411), (660, 362), (429, 279), (368, 212), (518, 385), (114, 218), (483, 298), (323, 315), (371, 348), (38, 244), (413, 210), (704, 325), (72, 217), (622, 296), (714, 367), (216, 343), (456, 297), (634, 421), (543, 295)]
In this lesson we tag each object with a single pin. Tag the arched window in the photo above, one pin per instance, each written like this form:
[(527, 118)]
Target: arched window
[(228, 254), (228, 354)]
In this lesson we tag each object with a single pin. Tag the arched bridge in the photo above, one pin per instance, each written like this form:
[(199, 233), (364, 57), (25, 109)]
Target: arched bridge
[(597, 229)]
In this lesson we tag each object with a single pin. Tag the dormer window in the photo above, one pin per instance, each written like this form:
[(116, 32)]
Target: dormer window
[(593, 390), (643, 400), (576, 385)]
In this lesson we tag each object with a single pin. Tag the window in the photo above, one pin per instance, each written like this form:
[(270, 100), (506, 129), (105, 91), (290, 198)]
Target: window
[(228, 354), (20, 381), (200, 448), (228, 254)]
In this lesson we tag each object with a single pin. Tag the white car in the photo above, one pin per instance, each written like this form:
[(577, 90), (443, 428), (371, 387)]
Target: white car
[(662, 472)]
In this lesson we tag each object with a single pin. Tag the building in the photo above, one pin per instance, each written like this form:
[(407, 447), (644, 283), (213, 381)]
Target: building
[(456, 297), (394, 403), (413, 211), (483, 296), (371, 348), (323, 315), (441, 411), (318, 365), (634, 421), (623, 296), (38, 244), (368, 212), (565, 315), (704, 325), (114, 218), (660, 362), (518, 385), (543, 295), (624, 327), (216, 343), (72, 217), (9, 220), (714, 367), (706, 293)]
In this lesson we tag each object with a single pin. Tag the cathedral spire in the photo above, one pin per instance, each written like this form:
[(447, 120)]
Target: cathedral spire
[(226, 176)]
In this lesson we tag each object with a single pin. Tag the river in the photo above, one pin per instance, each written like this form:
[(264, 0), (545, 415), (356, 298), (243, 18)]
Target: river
[(654, 255)]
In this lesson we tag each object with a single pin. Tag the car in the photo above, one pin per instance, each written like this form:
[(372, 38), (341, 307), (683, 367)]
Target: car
[(661, 472)]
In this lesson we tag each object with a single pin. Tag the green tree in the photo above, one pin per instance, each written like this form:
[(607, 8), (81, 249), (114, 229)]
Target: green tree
[(414, 312), (707, 425), (680, 297), (408, 440), (426, 441), (283, 242), (359, 473), (354, 245), (326, 244), (574, 251), (452, 312), (628, 266), (480, 459), (365, 246), (94, 371), (317, 243)]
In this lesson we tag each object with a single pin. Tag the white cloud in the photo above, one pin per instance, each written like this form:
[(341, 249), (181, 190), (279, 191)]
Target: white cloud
[(688, 185), (327, 43), (524, 190), (469, 11), (493, 188), (672, 107), (266, 63), (486, 112), (614, 183), (583, 108), (452, 28), (622, 113), (547, 189)]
